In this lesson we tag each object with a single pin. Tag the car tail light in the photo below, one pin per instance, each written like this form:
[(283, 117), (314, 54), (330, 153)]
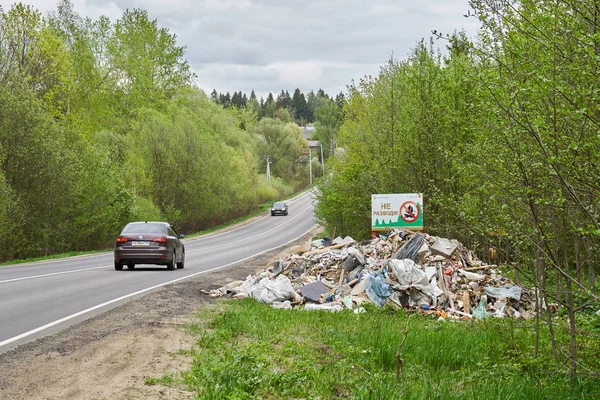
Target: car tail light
[(122, 239), (160, 240)]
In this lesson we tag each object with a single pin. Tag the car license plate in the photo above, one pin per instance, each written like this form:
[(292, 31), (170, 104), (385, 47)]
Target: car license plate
[(134, 243)]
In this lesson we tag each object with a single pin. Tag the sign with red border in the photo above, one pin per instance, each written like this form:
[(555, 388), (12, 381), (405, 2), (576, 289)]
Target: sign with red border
[(403, 211), (409, 212)]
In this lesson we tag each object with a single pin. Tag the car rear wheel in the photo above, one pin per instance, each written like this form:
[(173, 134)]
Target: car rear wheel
[(118, 266), (181, 263), (131, 265), (171, 264)]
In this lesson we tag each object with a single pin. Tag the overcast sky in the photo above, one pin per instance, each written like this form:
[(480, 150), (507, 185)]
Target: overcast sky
[(270, 45)]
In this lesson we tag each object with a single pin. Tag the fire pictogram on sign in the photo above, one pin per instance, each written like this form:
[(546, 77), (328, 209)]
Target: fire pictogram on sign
[(409, 211)]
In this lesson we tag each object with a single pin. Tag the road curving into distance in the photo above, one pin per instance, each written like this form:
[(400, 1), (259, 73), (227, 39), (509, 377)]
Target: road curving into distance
[(42, 298)]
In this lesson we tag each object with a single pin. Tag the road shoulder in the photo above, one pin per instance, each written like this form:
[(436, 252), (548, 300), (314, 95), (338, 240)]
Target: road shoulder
[(116, 354)]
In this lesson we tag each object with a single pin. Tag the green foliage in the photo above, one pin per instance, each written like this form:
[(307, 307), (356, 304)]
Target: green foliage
[(286, 146), (328, 119), (276, 189), (500, 137), (41, 166), (101, 125)]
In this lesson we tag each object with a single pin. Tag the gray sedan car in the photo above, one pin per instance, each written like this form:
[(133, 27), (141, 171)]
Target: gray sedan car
[(279, 208), (149, 243)]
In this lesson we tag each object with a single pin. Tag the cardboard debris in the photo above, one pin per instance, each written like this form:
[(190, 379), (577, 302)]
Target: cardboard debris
[(411, 270)]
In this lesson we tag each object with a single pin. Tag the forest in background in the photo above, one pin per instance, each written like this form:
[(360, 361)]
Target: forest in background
[(501, 134), (302, 109), (101, 123)]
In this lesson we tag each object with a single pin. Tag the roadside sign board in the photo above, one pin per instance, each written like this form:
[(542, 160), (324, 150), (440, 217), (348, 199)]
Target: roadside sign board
[(404, 211)]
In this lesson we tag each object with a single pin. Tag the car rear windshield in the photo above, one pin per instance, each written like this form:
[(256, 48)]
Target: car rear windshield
[(146, 227)]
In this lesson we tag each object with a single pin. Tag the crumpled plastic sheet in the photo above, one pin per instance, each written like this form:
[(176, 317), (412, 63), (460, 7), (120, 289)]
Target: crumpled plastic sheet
[(377, 289), (284, 305), (410, 276), (357, 255), (269, 291), (410, 249), (324, 307), (471, 276), (503, 292), (480, 311)]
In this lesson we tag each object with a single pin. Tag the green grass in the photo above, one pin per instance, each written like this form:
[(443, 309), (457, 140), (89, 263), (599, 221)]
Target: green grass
[(247, 350), (165, 380)]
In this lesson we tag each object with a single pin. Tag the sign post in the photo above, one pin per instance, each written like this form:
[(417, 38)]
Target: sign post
[(404, 211)]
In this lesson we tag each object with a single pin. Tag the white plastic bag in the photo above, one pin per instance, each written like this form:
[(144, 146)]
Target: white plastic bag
[(503, 292), (268, 291), (324, 307)]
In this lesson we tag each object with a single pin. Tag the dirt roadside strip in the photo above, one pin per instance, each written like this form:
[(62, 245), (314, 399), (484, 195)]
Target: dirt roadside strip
[(111, 355)]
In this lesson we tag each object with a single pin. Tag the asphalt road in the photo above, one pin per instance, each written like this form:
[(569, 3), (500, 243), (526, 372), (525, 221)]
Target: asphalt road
[(38, 299)]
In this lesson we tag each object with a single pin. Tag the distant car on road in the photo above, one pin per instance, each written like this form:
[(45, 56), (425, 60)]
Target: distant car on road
[(279, 207), (149, 243)]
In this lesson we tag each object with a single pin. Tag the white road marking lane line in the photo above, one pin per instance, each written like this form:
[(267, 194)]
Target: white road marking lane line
[(57, 260), (52, 274), (77, 314), (250, 237)]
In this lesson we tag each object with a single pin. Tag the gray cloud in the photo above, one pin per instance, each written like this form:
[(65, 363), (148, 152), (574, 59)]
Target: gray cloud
[(270, 45)]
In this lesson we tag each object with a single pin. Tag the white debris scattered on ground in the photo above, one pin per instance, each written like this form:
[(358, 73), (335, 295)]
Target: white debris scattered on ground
[(403, 269)]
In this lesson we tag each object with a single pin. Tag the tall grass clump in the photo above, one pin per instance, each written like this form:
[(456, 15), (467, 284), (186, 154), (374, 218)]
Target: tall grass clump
[(249, 350)]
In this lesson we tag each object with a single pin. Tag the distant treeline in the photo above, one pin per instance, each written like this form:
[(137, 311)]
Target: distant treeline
[(301, 108)]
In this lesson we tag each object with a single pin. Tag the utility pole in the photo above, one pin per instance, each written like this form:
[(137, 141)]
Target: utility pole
[(268, 159), (322, 160), (310, 163)]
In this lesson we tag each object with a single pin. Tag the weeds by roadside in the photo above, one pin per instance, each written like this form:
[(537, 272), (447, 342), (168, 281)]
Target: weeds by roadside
[(247, 350)]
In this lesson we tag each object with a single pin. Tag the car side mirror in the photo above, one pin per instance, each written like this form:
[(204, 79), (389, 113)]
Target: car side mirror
[(181, 236)]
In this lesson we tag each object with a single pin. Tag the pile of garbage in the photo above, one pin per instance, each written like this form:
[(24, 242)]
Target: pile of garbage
[(403, 269)]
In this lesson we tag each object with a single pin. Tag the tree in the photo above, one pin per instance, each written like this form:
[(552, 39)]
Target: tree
[(311, 104), (327, 122), (31, 48), (225, 100), (236, 99), (300, 107), (270, 107), (285, 144), (284, 100), (340, 100), (148, 65)]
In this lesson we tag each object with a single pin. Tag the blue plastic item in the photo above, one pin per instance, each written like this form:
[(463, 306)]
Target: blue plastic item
[(377, 290)]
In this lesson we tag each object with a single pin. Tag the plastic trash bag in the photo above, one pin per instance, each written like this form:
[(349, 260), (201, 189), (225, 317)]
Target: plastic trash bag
[(410, 275), (285, 305), (410, 249), (503, 292), (480, 311), (377, 290), (471, 276), (269, 291)]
